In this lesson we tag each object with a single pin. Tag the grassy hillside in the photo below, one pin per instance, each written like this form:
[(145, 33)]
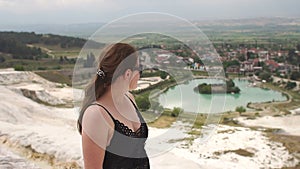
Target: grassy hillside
[(30, 51)]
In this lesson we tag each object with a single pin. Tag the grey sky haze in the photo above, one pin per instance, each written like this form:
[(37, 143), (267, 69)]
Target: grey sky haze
[(90, 11)]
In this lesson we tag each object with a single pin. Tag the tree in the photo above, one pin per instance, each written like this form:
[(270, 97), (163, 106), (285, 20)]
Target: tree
[(251, 55), (261, 64), (143, 102), (293, 57), (265, 76), (89, 60), (163, 74), (240, 109), (231, 63), (290, 85), (295, 75), (2, 59), (203, 88), (241, 58), (61, 60), (230, 83)]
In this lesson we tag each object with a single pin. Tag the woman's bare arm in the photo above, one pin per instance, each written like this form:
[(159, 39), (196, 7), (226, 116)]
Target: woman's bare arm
[(93, 154), (96, 136)]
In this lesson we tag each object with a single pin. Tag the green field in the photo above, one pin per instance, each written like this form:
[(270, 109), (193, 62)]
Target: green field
[(56, 51)]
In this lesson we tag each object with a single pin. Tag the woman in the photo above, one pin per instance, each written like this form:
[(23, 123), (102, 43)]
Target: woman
[(113, 130)]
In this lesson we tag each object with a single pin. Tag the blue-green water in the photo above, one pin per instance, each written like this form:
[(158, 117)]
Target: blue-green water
[(183, 96)]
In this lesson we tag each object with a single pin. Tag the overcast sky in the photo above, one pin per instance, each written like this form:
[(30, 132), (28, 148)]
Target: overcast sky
[(91, 11)]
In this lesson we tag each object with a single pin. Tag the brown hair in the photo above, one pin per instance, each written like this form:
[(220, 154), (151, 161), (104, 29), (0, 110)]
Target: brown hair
[(109, 63)]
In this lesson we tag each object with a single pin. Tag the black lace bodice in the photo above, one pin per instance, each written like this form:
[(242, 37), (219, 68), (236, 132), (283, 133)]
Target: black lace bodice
[(126, 149)]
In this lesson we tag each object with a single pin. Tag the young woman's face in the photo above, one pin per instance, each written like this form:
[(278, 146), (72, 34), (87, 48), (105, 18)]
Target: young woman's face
[(135, 77)]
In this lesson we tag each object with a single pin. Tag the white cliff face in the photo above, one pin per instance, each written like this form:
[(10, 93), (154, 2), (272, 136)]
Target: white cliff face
[(11, 77), (37, 88), (47, 130), (25, 122)]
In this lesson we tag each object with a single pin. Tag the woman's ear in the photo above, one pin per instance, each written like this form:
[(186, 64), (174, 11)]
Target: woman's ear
[(127, 74)]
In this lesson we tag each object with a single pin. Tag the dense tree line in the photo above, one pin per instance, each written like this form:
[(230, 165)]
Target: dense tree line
[(205, 88), (16, 43), (19, 50), (229, 63), (48, 39), (63, 41)]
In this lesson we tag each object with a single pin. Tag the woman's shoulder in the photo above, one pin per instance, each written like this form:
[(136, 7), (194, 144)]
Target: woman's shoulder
[(98, 114), (97, 125)]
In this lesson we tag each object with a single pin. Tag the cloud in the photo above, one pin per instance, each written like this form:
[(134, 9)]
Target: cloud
[(36, 6), (57, 11), (6, 3), (70, 11)]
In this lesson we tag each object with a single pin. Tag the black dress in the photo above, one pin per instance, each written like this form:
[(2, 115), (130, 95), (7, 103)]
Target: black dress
[(127, 147)]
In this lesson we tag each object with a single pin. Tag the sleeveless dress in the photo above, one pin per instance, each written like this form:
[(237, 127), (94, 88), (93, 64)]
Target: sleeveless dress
[(127, 147)]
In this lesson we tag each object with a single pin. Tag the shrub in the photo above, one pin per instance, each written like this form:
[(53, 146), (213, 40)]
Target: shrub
[(203, 88), (42, 68), (240, 109), (290, 85), (265, 76), (57, 67), (143, 102), (295, 75), (19, 68), (2, 59), (163, 75), (176, 111)]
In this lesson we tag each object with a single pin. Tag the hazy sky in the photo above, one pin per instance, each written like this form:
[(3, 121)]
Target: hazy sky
[(89, 11)]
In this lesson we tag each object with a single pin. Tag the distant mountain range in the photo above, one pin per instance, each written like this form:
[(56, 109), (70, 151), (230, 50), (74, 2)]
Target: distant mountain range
[(85, 30), (78, 30), (250, 21)]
